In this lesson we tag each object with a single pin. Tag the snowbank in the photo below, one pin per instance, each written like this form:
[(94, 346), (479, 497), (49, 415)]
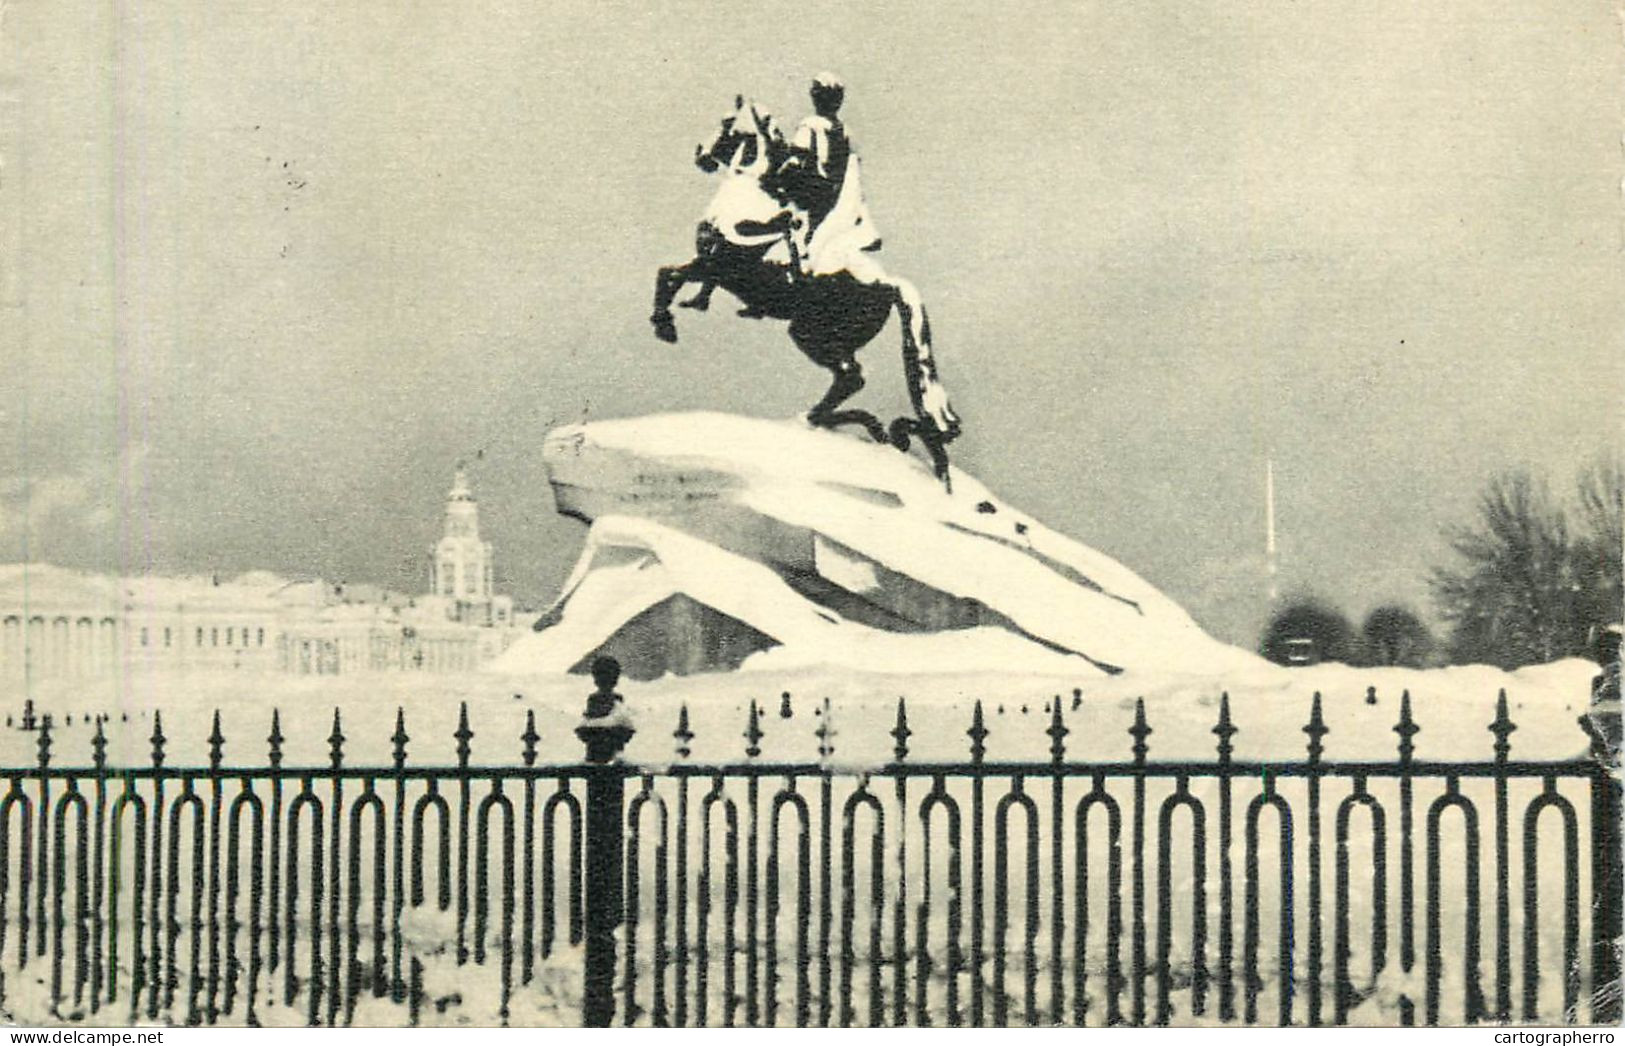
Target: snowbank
[(1453, 707)]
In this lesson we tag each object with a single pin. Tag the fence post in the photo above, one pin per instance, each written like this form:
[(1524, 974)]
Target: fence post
[(1607, 868), (605, 730)]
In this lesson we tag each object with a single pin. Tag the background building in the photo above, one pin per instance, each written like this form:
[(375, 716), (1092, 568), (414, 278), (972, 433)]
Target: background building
[(59, 623), (460, 565)]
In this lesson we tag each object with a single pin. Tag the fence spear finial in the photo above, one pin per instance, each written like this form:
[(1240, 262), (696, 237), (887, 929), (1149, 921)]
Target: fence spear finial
[(1406, 728), (335, 742), (825, 732), (275, 739), (1140, 731), (45, 742), (217, 744), (683, 734), (463, 736), (1316, 729), (901, 732), (399, 738), (753, 732), (98, 747), (1057, 733), (530, 737), (1502, 728), (977, 734), (1225, 728), (158, 740)]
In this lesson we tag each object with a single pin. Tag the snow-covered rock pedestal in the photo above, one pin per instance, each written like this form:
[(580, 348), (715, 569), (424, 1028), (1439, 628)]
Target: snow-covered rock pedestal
[(719, 542)]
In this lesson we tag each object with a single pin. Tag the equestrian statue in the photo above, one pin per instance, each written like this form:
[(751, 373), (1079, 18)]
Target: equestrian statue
[(789, 235)]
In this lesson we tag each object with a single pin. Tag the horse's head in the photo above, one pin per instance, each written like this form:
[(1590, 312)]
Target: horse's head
[(746, 141)]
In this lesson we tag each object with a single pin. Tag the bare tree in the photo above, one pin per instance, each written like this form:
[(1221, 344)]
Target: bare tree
[(1601, 540), (1527, 588)]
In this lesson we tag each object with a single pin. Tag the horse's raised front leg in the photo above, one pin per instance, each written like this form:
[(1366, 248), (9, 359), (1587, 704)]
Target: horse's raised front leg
[(668, 281)]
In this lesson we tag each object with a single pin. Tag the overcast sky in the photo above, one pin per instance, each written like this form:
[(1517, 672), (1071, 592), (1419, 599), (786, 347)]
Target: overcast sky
[(283, 264)]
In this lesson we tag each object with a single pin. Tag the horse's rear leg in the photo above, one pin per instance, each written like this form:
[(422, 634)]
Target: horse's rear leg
[(848, 382), (668, 281)]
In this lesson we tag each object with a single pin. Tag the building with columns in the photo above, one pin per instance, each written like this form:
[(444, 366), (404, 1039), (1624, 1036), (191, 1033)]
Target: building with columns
[(58, 623)]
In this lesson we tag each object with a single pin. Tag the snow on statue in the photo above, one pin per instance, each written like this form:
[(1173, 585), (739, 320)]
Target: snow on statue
[(789, 234), (719, 541)]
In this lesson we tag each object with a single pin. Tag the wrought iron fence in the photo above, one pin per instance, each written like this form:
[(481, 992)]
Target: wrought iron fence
[(769, 893)]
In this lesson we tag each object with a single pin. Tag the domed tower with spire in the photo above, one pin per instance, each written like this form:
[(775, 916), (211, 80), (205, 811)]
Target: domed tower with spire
[(460, 571)]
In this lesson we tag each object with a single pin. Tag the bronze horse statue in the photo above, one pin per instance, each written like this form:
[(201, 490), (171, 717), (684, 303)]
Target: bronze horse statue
[(837, 298)]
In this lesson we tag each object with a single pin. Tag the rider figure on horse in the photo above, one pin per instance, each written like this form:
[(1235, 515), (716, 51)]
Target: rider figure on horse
[(812, 175)]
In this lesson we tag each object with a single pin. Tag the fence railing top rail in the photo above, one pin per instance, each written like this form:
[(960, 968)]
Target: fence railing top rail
[(1581, 767), (1496, 758)]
